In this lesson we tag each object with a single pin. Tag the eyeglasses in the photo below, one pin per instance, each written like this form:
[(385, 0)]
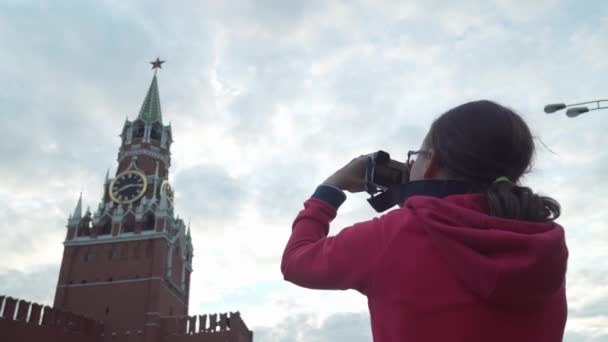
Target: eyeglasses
[(410, 162)]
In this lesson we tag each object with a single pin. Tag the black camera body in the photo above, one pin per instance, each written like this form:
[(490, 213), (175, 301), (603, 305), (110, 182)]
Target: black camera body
[(386, 177), (382, 172)]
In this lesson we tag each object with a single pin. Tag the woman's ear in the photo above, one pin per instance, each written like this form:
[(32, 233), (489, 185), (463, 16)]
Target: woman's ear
[(432, 166)]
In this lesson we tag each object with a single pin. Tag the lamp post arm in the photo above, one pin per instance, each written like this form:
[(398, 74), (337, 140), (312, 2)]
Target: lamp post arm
[(598, 108), (588, 102)]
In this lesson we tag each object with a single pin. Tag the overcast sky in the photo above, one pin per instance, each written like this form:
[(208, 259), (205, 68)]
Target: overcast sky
[(266, 99)]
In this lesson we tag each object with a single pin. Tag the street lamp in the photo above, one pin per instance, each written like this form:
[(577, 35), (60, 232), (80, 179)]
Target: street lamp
[(575, 111)]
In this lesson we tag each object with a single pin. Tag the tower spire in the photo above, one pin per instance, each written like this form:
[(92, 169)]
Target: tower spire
[(150, 110), (78, 210)]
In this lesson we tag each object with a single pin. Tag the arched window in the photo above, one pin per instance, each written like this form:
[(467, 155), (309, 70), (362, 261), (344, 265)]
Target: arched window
[(149, 222), (88, 256), (128, 226), (113, 253), (149, 249), (138, 130), (106, 228), (156, 132), (136, 250), (124, 253)]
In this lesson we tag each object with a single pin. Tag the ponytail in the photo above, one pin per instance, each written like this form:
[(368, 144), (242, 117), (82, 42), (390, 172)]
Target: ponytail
[(510, 201)]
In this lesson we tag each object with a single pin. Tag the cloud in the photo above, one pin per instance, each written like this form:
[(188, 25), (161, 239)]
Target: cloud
[(208, 193), (571, 336), (589, 41), (304, 327), (36, 285)]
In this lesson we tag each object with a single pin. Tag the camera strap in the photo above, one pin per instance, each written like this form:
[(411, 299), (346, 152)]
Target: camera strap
[(398, 194)]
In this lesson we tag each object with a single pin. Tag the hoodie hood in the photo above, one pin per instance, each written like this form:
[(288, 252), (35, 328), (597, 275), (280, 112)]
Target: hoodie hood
[(501, 260)]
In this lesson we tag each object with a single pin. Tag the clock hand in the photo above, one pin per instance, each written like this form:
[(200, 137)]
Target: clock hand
[(129, 186)]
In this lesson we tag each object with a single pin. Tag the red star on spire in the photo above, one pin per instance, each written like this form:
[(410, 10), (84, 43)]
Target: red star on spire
[(157, 64)]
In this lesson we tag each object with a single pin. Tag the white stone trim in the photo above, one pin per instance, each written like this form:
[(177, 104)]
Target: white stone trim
[(129, 134), (111, 282), (146, 132), (126, 281), (143, 235), (163, 138)]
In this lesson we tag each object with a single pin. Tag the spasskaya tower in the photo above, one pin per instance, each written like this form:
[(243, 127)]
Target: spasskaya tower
[(129, 262)]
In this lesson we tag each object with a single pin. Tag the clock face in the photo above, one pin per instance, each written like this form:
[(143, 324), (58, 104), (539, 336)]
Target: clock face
[(128, 187), (166, 188)]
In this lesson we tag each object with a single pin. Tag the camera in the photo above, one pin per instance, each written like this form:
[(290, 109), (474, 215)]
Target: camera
[(385, 180), (382, 173)]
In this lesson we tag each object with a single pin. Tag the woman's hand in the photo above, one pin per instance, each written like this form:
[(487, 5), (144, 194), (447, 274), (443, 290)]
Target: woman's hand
[(351, 177)]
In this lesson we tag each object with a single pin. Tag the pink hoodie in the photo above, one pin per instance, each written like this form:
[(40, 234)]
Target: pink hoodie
[(439, 269)]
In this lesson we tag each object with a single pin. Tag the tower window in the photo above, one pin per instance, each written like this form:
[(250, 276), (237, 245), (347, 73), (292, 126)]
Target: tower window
[(128, 225), (138, 131), (106, 229), (149, 249), (107, 310), (149, 222), (113, 253), (88, 256), (155, 134)]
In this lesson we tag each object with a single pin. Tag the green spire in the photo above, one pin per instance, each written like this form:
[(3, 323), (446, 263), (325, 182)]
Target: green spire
[(150, 109)]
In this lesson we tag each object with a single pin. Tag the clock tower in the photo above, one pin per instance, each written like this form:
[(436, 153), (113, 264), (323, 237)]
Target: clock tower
[(128, 263)]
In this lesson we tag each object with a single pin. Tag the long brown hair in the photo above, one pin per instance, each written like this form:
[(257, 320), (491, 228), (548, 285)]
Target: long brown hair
[(481, 141)]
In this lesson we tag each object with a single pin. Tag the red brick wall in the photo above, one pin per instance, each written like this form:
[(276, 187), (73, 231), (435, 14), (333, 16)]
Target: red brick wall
[(146, 163), (137, 287), (23, 321), (130, 261)]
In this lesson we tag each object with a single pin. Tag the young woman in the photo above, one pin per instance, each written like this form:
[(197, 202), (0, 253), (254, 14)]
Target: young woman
[(470, 255)]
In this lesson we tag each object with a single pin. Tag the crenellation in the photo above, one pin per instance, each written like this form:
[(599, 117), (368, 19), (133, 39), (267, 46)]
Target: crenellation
[(10, 304), (23, 307), (20, 316), (202, 325), (35, 314), (48, 318), (192, 324)]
